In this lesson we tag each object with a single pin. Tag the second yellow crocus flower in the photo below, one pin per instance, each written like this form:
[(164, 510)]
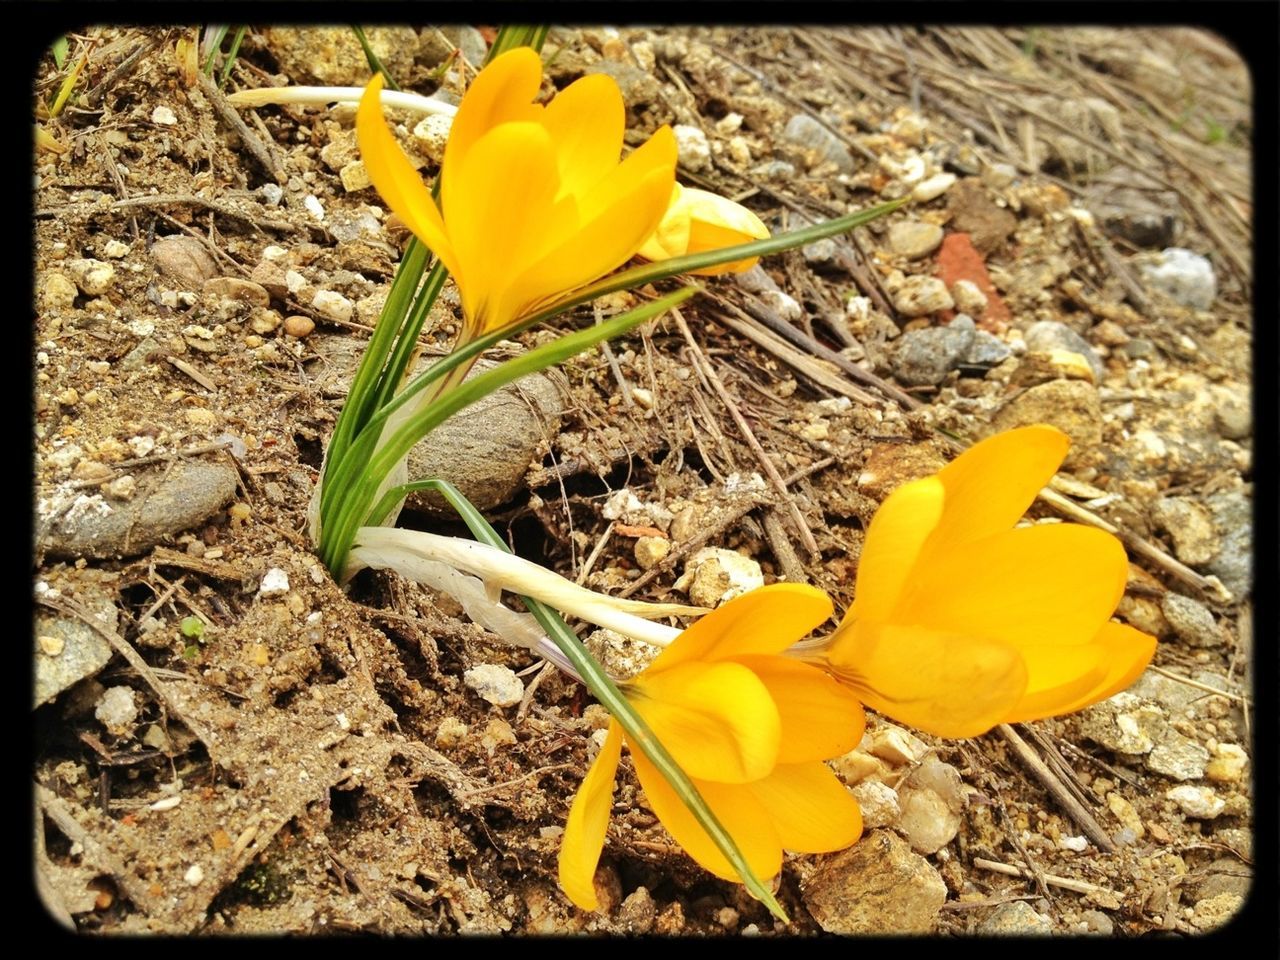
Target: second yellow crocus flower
[(750, 727), (696, 221), (961, 622), (534, 201)]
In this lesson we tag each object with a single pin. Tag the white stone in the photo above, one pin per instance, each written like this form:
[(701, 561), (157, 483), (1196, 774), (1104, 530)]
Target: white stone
[(878, 803), (495, 683), (969, 297), (713, 576), (1183, 276), (933, 187), (117, 709), (693, 148), (275, 583), (1199, 802), (141, 445), (432, 133), (1075, 844), (333, 305), (1228, 763), (783, 304), (194, 875), (93, 277), (294, 281), (314, 206), (115, 249), (164, 116), (920, 296)]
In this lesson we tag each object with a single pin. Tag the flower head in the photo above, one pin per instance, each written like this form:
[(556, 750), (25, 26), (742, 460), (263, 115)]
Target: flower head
[(534, 201), (697, 220), (961, 622), (750, 727)]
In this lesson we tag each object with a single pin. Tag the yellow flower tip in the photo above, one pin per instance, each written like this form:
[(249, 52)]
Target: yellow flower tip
[(697, 221), (962, 621)]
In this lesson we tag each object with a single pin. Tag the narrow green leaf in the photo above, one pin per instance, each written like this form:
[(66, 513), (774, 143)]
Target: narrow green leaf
[(212, 41), (59, 51), (230, 60), (375, 65)]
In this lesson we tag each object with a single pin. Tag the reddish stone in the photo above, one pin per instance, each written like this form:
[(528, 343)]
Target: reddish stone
[(958, 260)]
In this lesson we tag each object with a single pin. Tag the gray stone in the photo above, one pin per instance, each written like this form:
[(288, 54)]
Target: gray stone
[(806, 132), (175, 498), (1177, 757), (1190, 525), (925, 357), (1185, 277), (878, 803), (332, 56), (932, 800), (1070, 405), (1124, 723), (1015, 918), (469, 41), (877, 886), (820, 252), (486, 448), (986, 351), (1098, 922), (67, 651), (1233, 415), (1047, 335), (1191, 621), (185, 260), (1173, 696), (921, 296), (913, 239), (1233, 516)]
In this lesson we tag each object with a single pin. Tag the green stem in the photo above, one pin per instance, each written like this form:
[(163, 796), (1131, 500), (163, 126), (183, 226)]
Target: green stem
[(606, 691), (375, 65)]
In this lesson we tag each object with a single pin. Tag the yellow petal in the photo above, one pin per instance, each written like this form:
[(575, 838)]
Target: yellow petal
[(716, 719), (397, 182), (1052, 583), (820, 718), (502, 92), (671, 238), (765, 620), (738, 811), (990, 485), (588, 820), (497, 212), (892, 546), (809, 808), (1125, 654), (586, 121), (718, 222), (610, 223), (944, 683)]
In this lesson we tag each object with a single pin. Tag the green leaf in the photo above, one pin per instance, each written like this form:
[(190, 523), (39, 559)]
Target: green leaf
[(59, 51), (192, 628)]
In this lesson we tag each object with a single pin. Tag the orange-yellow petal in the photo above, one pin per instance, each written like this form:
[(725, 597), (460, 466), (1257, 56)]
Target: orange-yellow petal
[(502, 92), (1124, 655), (586, 120), (698, 220), (584, 831), (892, 546), (497, 212), (948, 684), (738, 811), (1051, 583), (671, 237), (820, 718), (990, 485), (716, 719), (765, 620), (809, 808), (609, 223), (397, 182)]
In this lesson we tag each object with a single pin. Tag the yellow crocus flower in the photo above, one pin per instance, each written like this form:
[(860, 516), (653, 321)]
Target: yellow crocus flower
[(961, 622), (533, 199), (697, 220), (750, 727)]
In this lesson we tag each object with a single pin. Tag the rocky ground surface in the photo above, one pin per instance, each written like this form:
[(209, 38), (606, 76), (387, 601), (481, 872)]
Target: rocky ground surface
[(228, 742)]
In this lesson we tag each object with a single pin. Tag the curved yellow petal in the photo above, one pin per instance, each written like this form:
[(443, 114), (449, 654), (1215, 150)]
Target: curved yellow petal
[(586, 120), (892, 546), (588, 821), (765, 620), (497, 214), (671, 238), (612, 219), (809, 808), (716, 719), (1058, 675), (1125, 654), (820, 718), (738, 811), (990, 485), (502, 92), (719, 222), (1052, 583), (944, 683), (397, 182)]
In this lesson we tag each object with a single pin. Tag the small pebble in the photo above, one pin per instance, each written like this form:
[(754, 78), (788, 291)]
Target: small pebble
[(57, 292), (51, 646), (1191, 621), (194, 876), (920, 296), (495, 683), (164, 116), (450, 732), (117, 709), (115, 249), (650, 551), (1228, 763), (275, 583), (333, 305), (93, 277), (314, 206), (121, 488), (913, 239), (933, 187), (969, 297), (1198, 802), (299, 326), (694, 150)]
